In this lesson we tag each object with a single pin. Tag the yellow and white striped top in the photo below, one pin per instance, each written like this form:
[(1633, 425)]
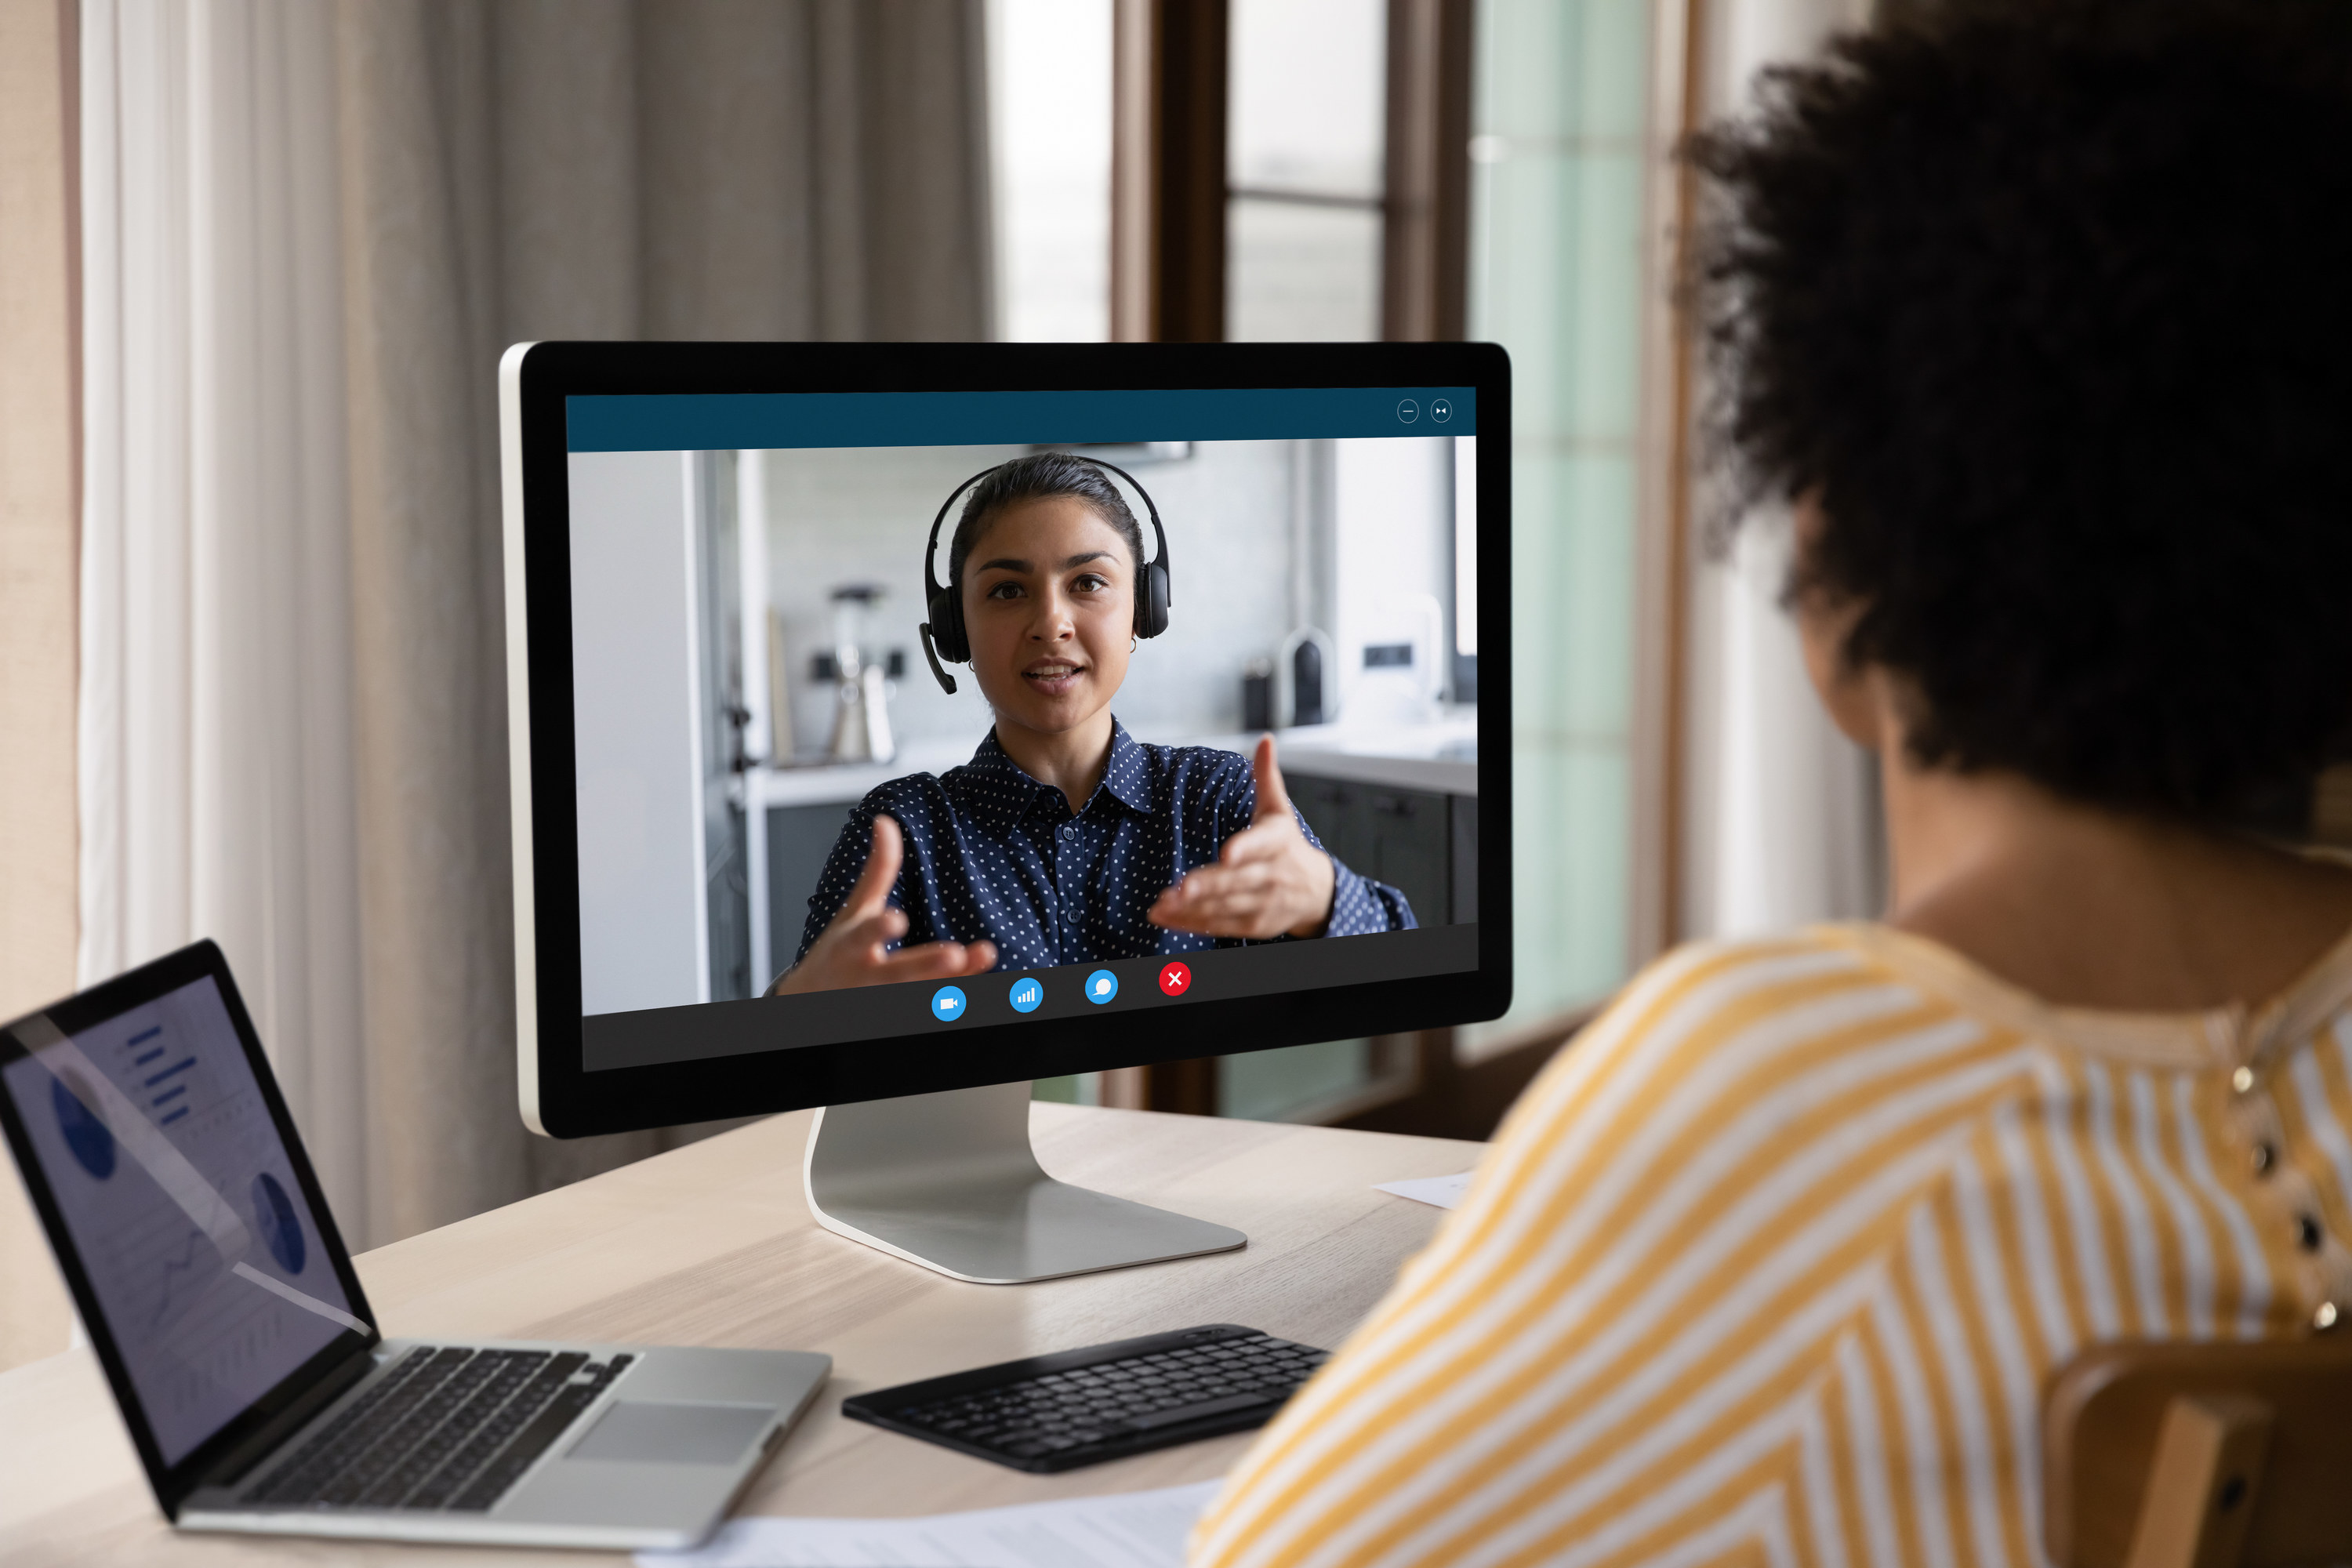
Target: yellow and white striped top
[(1772, 1265)]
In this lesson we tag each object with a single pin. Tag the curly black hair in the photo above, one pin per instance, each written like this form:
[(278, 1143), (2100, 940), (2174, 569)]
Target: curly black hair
[(2047, 305)]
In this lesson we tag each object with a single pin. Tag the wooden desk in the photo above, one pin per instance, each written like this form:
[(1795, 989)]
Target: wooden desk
[(713, 1244)]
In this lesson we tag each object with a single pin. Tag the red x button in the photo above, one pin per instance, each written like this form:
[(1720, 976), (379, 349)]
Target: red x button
[(1175, 980)]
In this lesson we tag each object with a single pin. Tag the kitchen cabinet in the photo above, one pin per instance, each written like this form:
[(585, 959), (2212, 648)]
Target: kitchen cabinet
[(800, 837), (1420, 842)]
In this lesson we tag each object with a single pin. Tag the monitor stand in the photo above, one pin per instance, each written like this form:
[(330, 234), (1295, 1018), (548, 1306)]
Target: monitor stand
[(949, 1181)]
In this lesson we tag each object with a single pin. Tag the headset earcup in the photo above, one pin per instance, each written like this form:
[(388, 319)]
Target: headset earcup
[(1151, 601), (947, 626)]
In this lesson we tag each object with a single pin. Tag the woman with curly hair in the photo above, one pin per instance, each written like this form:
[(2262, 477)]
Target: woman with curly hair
[(2039, 314)]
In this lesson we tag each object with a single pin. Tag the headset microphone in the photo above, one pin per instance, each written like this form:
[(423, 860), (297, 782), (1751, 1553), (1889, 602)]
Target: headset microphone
[(943, 635)]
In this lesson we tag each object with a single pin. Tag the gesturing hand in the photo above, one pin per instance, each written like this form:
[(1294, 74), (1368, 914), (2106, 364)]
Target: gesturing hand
[(851, 952), (1266, 881)]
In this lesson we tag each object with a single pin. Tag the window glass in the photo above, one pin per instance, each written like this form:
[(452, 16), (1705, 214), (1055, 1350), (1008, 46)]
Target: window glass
[(1302, 273), (1306, 143), (1307, 96), (1049, 107), (1558, 176)]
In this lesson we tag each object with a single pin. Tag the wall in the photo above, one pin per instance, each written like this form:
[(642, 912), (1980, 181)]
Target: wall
[(1391, 557), (640, 777)]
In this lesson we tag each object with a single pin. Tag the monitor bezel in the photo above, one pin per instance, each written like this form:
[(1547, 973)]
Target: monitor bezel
[(78, 1014), (559, 1096)]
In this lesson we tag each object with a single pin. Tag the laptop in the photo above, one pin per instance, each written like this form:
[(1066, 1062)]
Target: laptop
[(242, 1351)]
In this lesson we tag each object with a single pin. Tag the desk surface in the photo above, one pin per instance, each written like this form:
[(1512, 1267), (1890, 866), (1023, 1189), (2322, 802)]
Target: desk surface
[(712, 1243)]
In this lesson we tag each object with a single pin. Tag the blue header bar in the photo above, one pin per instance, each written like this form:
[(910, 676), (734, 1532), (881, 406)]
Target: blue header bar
[(677, 422)]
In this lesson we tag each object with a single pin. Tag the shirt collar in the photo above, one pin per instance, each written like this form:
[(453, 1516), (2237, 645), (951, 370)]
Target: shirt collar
[(1128, 778), (1002, 792)]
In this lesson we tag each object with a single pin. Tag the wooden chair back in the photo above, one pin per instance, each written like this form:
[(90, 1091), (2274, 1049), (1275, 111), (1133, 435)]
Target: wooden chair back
[(2199, 1455)]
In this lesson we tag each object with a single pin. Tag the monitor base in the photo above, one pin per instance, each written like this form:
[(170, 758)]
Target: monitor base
[(949, 1181)]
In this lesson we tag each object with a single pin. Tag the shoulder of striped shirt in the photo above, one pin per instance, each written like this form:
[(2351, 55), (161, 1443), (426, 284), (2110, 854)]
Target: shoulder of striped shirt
[(1693, 994), (2174, 1041), (1875, 953), (1713, 997)]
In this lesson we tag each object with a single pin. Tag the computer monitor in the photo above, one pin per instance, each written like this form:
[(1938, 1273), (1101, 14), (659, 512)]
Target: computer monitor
[(761, 596)]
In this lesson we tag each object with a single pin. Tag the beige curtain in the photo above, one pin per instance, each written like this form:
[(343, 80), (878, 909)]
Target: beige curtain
[(544, 169), (37, 591), (376, 197)]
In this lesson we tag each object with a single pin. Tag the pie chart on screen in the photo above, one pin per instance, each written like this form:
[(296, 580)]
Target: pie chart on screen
[(280, 1226), (87, 1138)]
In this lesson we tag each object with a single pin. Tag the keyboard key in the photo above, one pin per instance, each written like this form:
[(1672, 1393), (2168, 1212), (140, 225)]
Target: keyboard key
[(444, 1424), (528, 1444), (1201, 1412)]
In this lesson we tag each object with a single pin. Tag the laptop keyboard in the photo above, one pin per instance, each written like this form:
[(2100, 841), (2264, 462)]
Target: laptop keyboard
[(447, 1427)]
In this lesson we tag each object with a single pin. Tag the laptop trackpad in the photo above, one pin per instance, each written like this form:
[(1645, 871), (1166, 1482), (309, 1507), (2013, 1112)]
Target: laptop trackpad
[(640, 1432)]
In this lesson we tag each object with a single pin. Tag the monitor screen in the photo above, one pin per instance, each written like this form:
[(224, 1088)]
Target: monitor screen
[(788, 836)]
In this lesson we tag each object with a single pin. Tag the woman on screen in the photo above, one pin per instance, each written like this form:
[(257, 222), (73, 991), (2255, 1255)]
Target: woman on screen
[(1064, 840)]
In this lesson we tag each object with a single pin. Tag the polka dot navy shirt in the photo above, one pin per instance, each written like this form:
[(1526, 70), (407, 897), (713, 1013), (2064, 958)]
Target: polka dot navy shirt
[(992, 853)]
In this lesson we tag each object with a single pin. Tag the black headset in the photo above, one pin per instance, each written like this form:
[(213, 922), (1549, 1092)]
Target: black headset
[(944, 636)]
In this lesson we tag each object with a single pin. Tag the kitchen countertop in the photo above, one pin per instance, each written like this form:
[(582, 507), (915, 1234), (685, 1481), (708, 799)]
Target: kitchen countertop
[(1442, 758), (843, 783), (1439, 757)]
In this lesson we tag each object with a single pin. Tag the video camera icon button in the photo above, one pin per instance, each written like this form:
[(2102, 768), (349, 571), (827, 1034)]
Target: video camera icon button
[(947, 1004), (1175, 979), (1101, 986), (1026, 993)]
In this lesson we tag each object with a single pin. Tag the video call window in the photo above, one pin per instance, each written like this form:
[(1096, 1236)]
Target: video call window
[(752, 689)]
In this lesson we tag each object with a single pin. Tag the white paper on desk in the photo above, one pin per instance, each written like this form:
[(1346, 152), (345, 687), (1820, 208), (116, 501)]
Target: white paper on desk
[(1125, 1529), (1445, 1192)]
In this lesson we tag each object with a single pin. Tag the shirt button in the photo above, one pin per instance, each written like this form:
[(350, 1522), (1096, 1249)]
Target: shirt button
[(2242, 1080), (2325, 1318), (1071, 831), (2265, 1157)]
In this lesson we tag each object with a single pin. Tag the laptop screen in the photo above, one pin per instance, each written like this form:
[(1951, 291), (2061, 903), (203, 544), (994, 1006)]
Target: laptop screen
[(177, 1193)]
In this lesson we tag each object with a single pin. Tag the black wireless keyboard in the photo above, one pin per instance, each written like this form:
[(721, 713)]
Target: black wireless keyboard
[(1106, 1402)]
